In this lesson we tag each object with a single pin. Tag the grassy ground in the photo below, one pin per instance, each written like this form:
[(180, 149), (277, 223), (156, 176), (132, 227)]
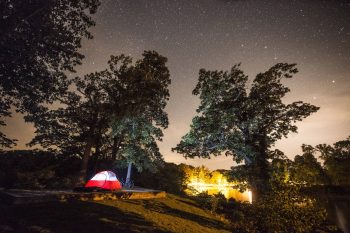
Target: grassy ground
[(171, 214)]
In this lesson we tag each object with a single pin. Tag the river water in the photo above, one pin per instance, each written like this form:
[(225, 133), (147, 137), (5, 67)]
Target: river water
[(338, 209)]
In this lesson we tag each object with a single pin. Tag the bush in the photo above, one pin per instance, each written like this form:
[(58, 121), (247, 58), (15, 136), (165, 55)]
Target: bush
[(168, 177), (214, 203), (37, 170), (284, 210)]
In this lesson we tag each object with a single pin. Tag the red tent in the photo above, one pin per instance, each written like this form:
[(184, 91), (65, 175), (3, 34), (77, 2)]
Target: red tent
[(104, 180)]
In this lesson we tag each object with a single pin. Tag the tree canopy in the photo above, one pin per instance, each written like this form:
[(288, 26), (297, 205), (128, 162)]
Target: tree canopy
[(140, 115), (116, 113), (242, 121), (39, 42)]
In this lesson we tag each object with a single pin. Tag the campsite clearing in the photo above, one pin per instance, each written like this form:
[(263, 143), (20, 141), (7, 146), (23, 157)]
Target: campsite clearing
[(170, 214), (23, 196)]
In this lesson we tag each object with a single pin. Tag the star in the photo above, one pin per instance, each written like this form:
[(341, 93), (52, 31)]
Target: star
[(214, 36)]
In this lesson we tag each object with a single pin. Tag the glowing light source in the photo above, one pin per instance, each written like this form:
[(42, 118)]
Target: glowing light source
[(250, 196), (218, 185)]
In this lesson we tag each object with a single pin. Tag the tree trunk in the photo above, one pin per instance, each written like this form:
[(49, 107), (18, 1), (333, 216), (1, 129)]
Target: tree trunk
[(256, 195), (260, 179), (128, 176), (84, 166)]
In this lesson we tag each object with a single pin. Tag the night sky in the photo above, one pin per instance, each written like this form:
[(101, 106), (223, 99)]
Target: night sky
[(216, 34)]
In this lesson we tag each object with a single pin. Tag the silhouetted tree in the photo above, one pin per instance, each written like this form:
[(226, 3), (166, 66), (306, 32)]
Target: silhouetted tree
[(169, 177), (116, 113), (280, 167), (306, 169), (39, 42), (336, 161), (4, 112), (140, 115), (242, 123), (81, 124)]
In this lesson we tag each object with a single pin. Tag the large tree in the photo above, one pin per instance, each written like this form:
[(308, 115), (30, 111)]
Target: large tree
[(80, 125), (242, 121), (140, 115), (116, 113), (39, 42)]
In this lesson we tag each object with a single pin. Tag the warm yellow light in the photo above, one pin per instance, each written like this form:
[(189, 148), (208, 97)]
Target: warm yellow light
[(224, 187), (250, 196)]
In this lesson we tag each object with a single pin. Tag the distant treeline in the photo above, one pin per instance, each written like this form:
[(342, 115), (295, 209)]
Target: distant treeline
[(52, 170), (49, 170), (320, 165)]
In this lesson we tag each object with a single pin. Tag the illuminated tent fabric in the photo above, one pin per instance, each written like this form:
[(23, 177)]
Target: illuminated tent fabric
[(104, 180)]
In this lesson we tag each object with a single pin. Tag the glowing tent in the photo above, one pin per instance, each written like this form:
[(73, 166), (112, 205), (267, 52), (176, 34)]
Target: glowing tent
[(104, 180)]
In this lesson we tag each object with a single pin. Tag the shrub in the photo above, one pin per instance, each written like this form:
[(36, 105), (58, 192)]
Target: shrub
[(283, 210), (37, 170), (213, 203)]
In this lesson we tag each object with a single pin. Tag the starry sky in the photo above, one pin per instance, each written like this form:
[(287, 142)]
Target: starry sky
[(216, 34)]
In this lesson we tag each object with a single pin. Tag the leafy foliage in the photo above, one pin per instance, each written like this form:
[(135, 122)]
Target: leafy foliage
[(168, 177), (333, 171), (243, 124), (283, 210), (215, 203), (114, 113), (39, 42), (280, 167), (306, 169), (139, 142), (83, 117), (5, 112), (140, 116), (37, 169), (336, 160)]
